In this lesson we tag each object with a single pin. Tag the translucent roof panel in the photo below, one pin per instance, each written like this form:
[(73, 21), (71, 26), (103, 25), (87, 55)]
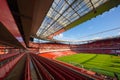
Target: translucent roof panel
[(64, 12)]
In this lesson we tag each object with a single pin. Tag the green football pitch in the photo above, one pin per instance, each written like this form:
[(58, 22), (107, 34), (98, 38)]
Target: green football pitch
[(100, 63)]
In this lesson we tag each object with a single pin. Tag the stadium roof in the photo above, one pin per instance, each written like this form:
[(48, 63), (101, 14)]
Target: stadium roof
[(44, 19), (65, 14)]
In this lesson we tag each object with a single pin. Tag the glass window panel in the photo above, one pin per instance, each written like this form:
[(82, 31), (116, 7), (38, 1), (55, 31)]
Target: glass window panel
[(77, 7), (55, 23), (74, 18), (76, 3), (70, 1), (51, 22), (54, 14), (69, 13), (63, 8), (60, 5), (56, 17), (50, 12), (60, 19), (73, 15), (54, 5), (97, 3), (69, 10), (52, 29), (66, 22), (56, 1), (65, 14)]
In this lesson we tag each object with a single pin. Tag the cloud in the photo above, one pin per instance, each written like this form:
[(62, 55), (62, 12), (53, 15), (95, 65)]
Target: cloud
[(96, 38), (64, 38), (59, 36), (118, 33)]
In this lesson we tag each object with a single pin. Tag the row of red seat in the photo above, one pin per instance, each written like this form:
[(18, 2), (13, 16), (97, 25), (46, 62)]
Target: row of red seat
[(86, 72), (27, 69), (6, 56), (44, 75), (57, 70), (6, 68)]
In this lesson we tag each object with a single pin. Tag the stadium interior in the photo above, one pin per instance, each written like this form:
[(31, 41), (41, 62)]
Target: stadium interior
[(29, 51)]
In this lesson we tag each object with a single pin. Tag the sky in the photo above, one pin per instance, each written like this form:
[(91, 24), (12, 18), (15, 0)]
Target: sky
[(106, 21)]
